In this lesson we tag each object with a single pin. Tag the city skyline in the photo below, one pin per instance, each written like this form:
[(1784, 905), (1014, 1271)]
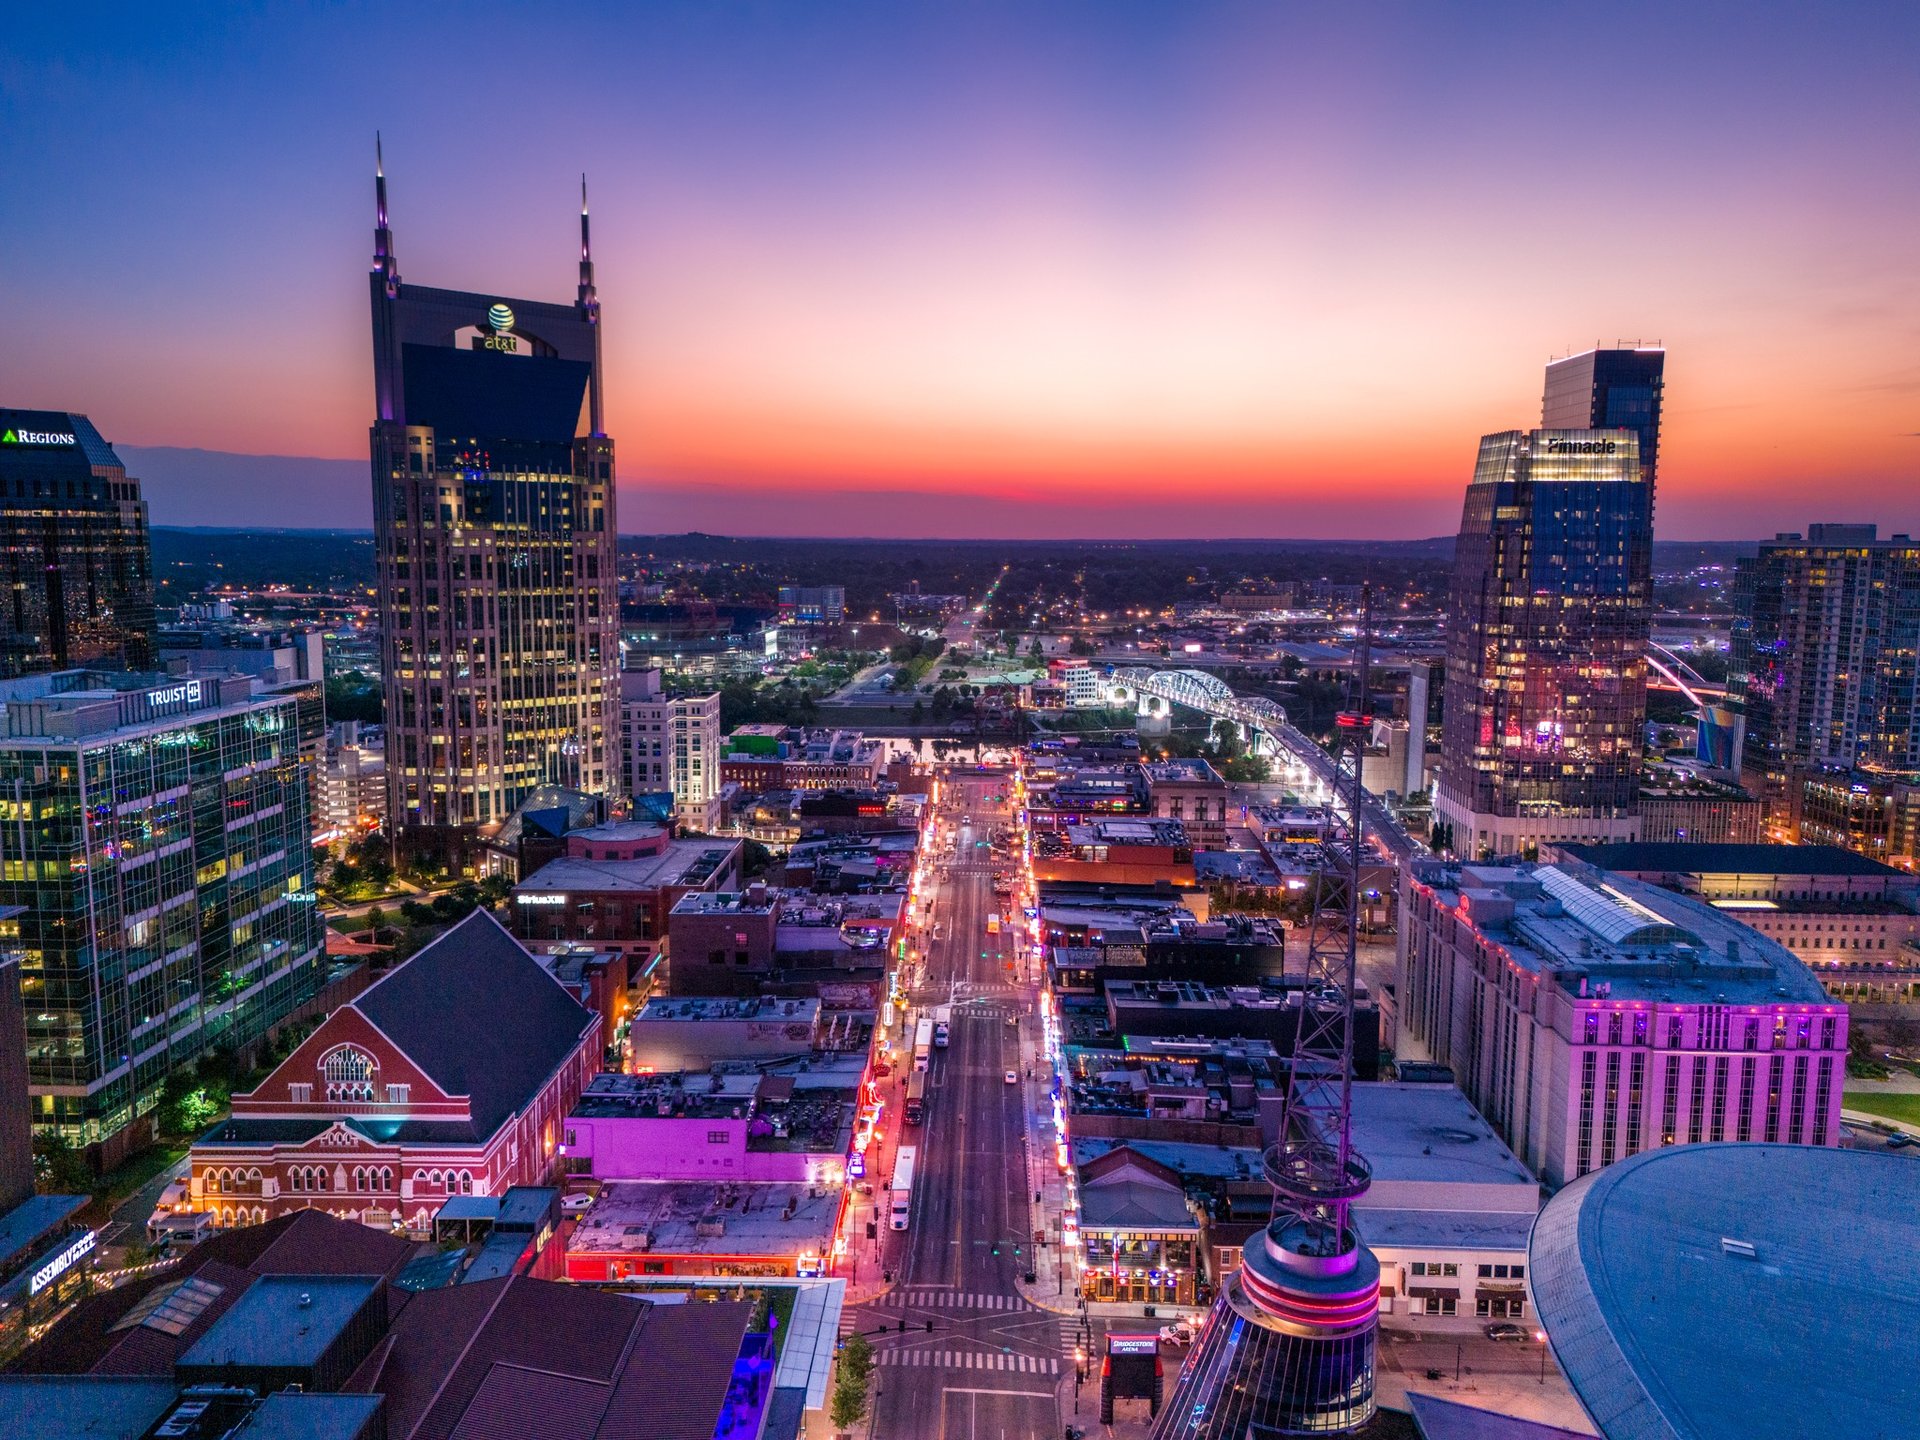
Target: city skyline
[(888, 273)]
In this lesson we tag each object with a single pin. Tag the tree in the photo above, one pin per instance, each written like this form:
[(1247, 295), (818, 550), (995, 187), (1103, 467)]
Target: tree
[(376, 918), (852, 1377), (917, 713), (60, 1168), (1083, 645)]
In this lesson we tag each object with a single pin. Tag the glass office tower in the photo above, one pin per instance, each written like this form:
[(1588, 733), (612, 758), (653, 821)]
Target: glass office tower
[(1609, 390), (495, 536), (74, 554), (1546, 643), (156, 828)]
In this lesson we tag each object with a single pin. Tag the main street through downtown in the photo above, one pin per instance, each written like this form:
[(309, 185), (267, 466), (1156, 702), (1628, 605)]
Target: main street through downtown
[(960, 1353)]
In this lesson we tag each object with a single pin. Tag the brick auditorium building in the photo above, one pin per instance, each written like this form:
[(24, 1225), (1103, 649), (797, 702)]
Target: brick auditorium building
[(448, 1077)]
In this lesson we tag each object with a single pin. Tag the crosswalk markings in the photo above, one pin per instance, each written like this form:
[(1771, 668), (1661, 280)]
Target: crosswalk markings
[(968, 1360), (950, 1300)]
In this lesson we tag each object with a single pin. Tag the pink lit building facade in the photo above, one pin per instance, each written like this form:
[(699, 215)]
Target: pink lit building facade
[(1589, 1017)]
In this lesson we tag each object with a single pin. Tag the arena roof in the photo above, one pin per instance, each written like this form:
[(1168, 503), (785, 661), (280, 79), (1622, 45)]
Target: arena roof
[(1736, 1292)]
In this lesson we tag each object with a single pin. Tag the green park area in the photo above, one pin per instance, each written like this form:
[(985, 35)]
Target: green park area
[(1901, 1105)]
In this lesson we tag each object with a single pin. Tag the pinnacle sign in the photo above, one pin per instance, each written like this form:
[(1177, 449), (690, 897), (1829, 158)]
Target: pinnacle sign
[(37, 437)]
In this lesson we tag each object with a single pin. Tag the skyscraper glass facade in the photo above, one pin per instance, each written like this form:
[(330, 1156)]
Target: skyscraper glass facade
[(75, 561), (1609, 390), (157, 832), (1546, 641), (494, 527)]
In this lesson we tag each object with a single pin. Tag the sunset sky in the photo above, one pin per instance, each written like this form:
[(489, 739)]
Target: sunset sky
[(1176, 269)]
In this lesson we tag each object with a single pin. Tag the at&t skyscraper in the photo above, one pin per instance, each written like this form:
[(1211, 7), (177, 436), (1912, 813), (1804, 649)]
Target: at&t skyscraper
[(493, 506)]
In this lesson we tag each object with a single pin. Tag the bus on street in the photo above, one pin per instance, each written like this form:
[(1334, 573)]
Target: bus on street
[(902, 1185)]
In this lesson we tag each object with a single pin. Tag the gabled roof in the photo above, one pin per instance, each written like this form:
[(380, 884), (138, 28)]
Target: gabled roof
[(480, 1017), (494, 1358)]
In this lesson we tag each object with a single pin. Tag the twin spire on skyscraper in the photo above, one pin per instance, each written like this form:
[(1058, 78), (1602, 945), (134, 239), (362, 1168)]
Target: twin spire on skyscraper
[(387, 265)]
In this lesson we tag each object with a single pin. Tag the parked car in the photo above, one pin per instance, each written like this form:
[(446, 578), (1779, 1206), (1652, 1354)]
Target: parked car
[(1013, 1077), (1899, 1140), (1506, 1330), (1179, 1333)]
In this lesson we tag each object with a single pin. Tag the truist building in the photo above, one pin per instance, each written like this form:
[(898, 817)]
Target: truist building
[(77, 570), (493, 514)]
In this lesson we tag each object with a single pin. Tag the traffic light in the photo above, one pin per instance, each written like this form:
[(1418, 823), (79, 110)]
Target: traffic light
[(996, 1247)]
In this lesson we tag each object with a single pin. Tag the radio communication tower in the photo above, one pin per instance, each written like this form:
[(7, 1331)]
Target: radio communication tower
[(1288, 1348)]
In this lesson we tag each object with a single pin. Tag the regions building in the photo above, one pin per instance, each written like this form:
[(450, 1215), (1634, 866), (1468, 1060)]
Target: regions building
[(450, 1076), (161, 849), (1546, 643), (1589, 1016), (670, 745), (494, 526), (73, 541)]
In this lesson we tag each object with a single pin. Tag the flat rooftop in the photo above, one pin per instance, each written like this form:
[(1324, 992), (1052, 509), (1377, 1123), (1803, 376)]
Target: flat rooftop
[(758, 1007), (1500, 1230), (683, 862), (1576, 925), (1736, 1291), (700, 1217), (1729, 859), (1128, 830), (1431, 1133), (283, 1321)]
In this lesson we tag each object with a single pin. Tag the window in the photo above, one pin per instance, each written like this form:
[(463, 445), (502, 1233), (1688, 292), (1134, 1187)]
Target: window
[(300, 1092), (348, 1074), (397, 1094), (716, 1137)]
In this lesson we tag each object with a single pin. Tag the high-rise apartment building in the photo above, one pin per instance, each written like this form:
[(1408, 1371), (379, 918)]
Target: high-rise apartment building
[(74, 553), (671, 742), (1546, 643), (1609, 390), (493, 503), (1826, 651), (156, 829), (1826, 664)]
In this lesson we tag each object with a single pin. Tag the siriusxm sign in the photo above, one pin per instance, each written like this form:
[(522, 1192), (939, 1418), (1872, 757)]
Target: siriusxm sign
[(11, 436)]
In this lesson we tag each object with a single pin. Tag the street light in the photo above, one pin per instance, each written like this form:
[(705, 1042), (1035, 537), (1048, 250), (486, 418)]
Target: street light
[(1541, 1336)]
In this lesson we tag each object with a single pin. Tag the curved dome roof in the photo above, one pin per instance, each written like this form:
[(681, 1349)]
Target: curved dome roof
[(1736, 1292)]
